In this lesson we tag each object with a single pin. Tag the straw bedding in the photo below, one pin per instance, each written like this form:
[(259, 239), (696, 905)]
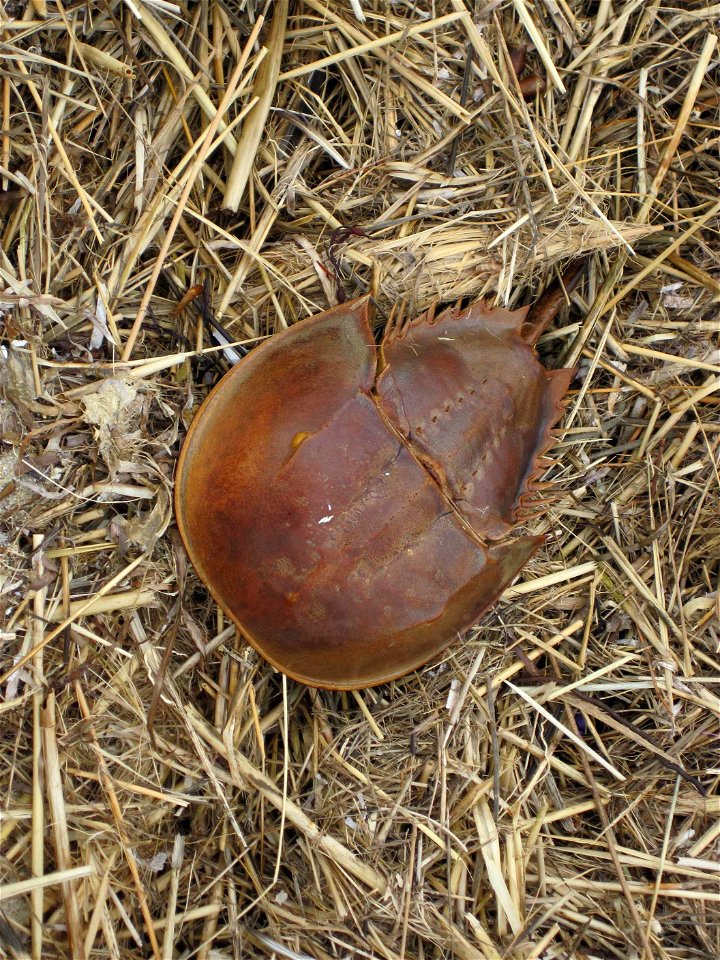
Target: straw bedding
[(547, 790)]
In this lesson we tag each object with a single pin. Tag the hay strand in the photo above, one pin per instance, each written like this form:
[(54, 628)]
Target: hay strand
[(178, 183)]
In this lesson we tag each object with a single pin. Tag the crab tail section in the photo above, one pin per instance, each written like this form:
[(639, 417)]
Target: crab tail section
[(543, 311)]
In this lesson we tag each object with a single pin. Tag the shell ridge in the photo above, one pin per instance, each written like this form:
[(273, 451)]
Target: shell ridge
[(412, 450), (493, 319)]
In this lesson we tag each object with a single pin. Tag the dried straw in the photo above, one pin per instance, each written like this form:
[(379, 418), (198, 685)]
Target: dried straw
[(550, 787)]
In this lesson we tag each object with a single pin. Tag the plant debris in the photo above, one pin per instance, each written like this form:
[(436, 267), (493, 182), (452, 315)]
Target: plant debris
[(550, 788)]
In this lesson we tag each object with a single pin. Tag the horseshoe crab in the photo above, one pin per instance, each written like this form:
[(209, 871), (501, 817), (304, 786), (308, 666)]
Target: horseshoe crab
[(351, 507)]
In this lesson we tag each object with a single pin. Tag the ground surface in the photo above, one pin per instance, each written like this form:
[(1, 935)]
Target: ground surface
[(550, 789)]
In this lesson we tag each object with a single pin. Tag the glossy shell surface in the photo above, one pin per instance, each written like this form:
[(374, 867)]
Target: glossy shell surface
[(352, 507)]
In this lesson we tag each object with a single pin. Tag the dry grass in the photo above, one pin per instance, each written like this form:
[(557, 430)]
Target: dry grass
[(550, 790)]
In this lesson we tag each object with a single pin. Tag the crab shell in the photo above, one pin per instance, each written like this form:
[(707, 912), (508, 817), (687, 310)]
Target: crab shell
[(351, 507)]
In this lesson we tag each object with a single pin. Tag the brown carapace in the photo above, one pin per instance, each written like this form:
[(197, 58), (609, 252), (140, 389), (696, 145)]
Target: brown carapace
[(352, 507)]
